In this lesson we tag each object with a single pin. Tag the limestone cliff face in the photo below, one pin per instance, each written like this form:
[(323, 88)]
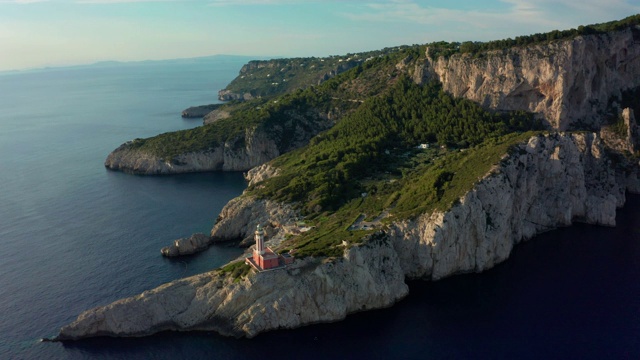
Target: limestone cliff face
[(215, 115), (239, 218), (260, 173), (622, 135), (199, 111), (566, 82), (309, 291), (548, 182), (240, 154)]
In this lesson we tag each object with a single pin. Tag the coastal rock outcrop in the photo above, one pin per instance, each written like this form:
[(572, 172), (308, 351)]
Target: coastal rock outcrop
[(256, 146), (241, 215), (228, 95), (550, 181), (242, 154), (187, 246), (565, 82), (574, 83), (260, 173), (309, 291), (199, 111)]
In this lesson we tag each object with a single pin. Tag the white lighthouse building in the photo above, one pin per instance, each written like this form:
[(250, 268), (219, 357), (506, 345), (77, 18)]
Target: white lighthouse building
[(259, 236)]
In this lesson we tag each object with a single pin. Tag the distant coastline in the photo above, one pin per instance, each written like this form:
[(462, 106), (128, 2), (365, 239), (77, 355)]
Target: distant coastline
[(114, 63)]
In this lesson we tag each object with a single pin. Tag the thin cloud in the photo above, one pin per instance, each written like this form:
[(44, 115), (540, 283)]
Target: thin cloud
[(120, 1), (411, 11), (278, 2), (255, 2), (21, 1), (519, 17), (84, 1)]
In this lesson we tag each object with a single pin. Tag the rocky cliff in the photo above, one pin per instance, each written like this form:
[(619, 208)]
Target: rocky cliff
[(549, 181), (578, 83), (309, 291), (241, 215), (568, 83), (187, 246), (215, 115), (256, 146), (199, 111), (239, 154)]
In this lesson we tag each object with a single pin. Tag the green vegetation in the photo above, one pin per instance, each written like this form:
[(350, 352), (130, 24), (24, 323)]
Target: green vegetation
[(367, 166), (267, 78), (373, 151), (477, 48), (237, 270), (252, 114), (327, 173), (282, 115), (437, 186), (425, 184)]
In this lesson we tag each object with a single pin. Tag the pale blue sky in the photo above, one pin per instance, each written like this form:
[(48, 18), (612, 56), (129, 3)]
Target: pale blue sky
[(37, 33)]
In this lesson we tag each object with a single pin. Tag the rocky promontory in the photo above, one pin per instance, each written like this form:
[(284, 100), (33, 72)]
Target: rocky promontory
[(309, 291), (240, 154), (199, 111), (256, 145), (550, 181)]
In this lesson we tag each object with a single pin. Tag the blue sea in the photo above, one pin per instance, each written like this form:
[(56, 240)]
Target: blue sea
[(74, 235)]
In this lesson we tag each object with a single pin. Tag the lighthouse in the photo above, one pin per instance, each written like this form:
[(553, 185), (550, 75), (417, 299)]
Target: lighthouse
[(263, 257), (259, 236)]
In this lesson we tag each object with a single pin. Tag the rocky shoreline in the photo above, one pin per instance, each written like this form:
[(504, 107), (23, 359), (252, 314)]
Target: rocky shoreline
[(187, 246), (255, 146), (199, 111), (547, 182), (550, 181), (240, 154)]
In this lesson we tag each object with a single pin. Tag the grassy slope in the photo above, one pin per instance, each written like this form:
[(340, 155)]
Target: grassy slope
[(420, 190), (372, 149), (278, 76), (340, 94), (411, 184)]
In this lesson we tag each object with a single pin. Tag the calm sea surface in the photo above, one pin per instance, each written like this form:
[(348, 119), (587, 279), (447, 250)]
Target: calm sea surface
[(74, 235)]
